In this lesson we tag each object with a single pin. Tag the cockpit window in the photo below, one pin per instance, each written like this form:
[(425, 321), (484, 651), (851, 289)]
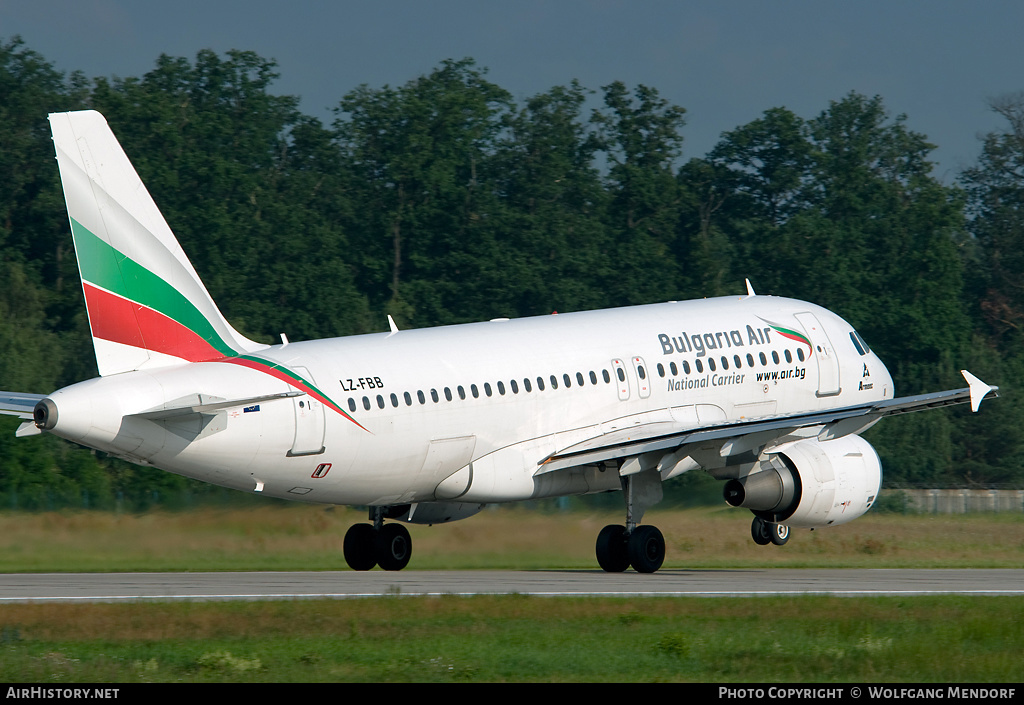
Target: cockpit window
[(858, 342)]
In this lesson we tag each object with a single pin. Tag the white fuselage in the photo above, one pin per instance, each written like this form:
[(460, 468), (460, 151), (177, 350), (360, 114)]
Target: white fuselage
[(466, 413)]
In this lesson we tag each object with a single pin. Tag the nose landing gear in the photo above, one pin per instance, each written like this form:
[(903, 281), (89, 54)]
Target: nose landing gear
[(765, 532)]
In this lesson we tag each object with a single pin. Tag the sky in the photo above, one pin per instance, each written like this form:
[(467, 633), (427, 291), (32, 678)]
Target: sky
[(937, 61)]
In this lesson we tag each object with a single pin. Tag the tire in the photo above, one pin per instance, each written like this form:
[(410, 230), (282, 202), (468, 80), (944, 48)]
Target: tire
[(394, 547), (359, 545), (646, 549), (612, 554), (779, 534), (759, 532)]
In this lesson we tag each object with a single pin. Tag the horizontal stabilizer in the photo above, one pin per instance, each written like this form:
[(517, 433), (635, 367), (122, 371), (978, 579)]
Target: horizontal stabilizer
[(18, 404), (205, 403)]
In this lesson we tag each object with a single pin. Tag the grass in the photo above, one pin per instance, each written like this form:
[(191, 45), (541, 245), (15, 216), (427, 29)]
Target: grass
[(521, 639), (301, 537), (511, 638)]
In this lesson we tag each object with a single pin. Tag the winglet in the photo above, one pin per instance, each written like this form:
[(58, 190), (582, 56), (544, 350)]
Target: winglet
[(750, 289), (391, 324), (979, 390)]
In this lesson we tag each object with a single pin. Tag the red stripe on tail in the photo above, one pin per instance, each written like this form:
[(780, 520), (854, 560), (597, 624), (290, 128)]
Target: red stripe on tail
[(122, 321)]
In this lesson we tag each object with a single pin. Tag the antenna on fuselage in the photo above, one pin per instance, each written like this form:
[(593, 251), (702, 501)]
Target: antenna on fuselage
[(750, 289)]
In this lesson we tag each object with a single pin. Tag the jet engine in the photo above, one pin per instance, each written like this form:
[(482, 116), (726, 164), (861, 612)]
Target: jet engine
[(811, 483)]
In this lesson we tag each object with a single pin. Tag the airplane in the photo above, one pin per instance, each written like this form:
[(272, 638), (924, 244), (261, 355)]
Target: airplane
[(427, 426)]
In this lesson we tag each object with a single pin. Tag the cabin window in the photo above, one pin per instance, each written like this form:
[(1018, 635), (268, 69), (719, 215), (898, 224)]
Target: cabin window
[(725, 362), (674, 368), (738, 361), (420, 396), (487, 388), (641, 372), (366, 403), (750, 360), (554, 382), (711, 363), (514, 386), (764, 360), (475, 391), (501, 388), (686, 367), (351, 404), (540, 384), (620, 374), (775, 357), (394, 400), (699, 365), (408, 399), (579, 378), (607, 377), (800, 354), (789, 355), (661, 370), (380, 401), (462, 393), (593, 377), (433, 395), (526, 384), (448, 393), (568, 382)]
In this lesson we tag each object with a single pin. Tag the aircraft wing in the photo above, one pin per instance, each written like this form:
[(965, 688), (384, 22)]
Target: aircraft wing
[(753, 434)]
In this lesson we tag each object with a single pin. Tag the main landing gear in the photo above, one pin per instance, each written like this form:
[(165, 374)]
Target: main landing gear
[(765, 532), (386, 545), (643, 547)]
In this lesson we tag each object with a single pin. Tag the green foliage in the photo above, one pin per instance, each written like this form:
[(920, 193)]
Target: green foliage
[(444, 200), (514, 638)]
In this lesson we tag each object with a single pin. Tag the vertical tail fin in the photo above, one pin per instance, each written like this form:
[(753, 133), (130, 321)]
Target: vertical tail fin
[(147, 306)]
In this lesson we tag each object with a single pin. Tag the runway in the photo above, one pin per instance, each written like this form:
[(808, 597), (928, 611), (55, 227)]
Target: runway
[(135, 587)]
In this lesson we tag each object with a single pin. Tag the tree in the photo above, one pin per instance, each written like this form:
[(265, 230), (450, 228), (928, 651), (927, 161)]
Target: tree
[(995, 206), (228, 163), (742, 196), (419, 155), (551, 238), (640, 137)]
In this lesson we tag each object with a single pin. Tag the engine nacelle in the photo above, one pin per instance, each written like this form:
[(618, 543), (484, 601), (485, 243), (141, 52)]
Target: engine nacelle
[(811, 483)]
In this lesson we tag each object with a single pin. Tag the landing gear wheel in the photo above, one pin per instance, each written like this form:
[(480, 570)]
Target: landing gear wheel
[(393, 547), (759, 532), (779, 534), (612, 554), (646, 549), (359, 547)]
